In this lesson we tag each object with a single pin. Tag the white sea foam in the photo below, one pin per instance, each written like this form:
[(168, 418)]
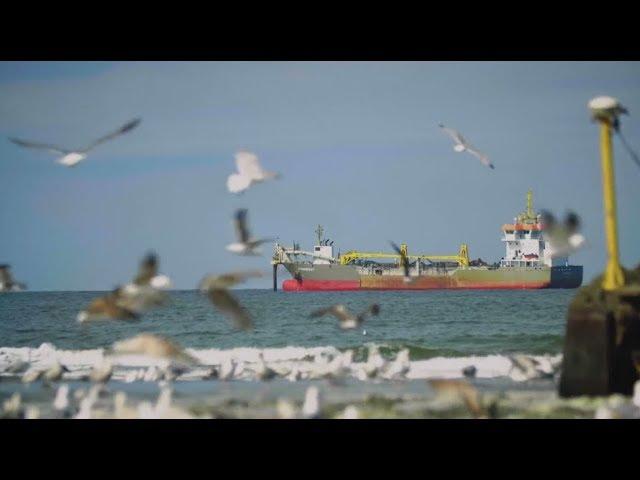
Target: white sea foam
[(283, 360)]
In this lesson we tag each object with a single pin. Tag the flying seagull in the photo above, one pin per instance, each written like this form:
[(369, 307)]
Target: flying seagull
[(146, 290), (152, 346), (249, 172), (563, 239), (404, 262), (462, 145), (245, 244), (107, 307), (347, 320), (7, 283), (216, 288), (70, 158)]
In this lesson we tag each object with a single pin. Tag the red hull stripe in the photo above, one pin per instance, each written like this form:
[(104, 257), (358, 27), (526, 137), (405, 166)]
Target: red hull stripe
[(337, 285)]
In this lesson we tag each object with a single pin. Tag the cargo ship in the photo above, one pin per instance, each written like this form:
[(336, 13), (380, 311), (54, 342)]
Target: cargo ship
[(527, 264)]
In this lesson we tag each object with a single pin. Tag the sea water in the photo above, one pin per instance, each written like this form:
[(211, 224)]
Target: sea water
[(444, 331)]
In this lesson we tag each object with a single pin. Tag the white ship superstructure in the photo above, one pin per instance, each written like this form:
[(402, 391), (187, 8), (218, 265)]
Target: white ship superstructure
[(524, 241)]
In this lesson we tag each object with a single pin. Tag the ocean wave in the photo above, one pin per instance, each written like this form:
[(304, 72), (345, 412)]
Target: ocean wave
[(425, 363)]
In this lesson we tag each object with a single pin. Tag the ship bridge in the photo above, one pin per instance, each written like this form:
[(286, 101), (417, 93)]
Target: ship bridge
[(524, 241)]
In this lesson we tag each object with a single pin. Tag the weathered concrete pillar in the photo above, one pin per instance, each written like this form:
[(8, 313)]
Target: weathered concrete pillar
[(602, 341)]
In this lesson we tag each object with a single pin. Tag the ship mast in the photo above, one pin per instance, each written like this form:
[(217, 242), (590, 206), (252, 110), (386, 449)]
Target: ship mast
[(530, 204), (319, 232)]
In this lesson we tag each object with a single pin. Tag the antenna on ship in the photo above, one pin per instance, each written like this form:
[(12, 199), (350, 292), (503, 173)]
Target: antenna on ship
[(319, 232)]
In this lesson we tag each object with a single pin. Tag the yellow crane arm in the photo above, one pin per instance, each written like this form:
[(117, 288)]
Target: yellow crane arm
[(462, 258)]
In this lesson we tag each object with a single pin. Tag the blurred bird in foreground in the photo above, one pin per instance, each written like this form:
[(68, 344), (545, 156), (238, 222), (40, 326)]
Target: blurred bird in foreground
[(563, 239), (464, 391), (54, 372), (312, 408), (347, 320), (107, 307), (12, 407), (249, 172), (263, 371), (7, 283), (70, 158), (129, 302), (51, 374), (102, 372), (463, 146), (404, 262), (151, 346), (147, 289), (245, 244), (216, 288)]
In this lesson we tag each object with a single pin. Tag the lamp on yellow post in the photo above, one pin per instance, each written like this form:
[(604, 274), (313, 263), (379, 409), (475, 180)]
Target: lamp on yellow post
[(605, 110), (602, 339)]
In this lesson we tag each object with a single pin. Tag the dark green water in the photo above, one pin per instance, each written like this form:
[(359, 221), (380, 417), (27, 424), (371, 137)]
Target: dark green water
[(430, 323)]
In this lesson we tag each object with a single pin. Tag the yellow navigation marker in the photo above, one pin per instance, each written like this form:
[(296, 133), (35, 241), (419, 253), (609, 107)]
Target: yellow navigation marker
[(605, 111)]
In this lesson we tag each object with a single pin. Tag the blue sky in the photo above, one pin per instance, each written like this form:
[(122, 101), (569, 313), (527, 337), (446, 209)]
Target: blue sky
[(357, 144)]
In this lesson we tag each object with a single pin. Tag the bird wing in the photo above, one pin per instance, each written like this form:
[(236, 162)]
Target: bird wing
[(373, 309), (339, 311), (242, 231), (148, 269), (248, 165), (5, 274), (124, 129), (320, 312), (454, 134), (548, 220), (404, 261), (229, 306), (40, 146), (572, 222), (255, 243), (483, 158), (227, 280)]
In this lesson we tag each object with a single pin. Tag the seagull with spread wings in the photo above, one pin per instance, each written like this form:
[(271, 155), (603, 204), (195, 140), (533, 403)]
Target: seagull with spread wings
[(249, 172), (463, 146), (216, 288), (245, 244), (147, 289), (347, 320), (70, 157), (152, 346), (107, 307), (404, 263)]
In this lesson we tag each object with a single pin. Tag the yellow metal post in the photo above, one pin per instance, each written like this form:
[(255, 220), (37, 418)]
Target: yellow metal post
[(613, 275)]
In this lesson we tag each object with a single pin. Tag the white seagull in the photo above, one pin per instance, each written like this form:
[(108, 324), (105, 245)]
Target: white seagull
[(245, 244), (249, 172), (463, 146), (147, 289), (70, 158)]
